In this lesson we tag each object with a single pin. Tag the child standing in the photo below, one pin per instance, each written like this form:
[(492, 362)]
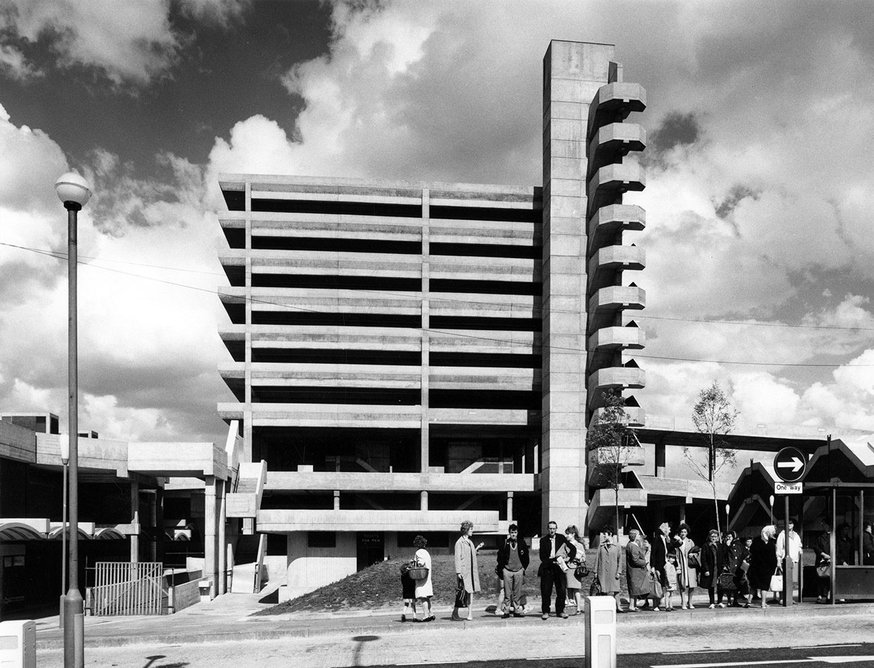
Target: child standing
[(670, 578)]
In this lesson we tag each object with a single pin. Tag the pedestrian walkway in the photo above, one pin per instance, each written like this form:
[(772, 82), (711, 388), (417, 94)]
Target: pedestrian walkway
[(232, 617)]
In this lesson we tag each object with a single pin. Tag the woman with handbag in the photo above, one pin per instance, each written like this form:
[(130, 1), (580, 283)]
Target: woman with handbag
[(573, 554), (711, 566), (763, 561), (687, 576), (636, 570), (726, 584), (424, 588), (466, 572)]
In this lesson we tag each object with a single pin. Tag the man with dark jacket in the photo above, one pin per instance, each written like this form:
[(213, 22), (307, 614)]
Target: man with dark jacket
[(551, 574), (512, 562)]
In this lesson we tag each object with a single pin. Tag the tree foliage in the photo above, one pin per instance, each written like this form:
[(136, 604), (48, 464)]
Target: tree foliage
[(610, 437), (714, 418)]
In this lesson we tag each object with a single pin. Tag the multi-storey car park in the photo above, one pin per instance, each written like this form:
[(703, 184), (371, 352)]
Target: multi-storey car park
[(408, 355)]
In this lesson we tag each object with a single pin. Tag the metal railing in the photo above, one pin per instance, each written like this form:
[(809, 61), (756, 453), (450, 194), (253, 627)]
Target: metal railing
[(123, 588)]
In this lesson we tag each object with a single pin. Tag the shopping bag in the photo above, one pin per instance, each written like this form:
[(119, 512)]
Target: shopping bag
[(824, 570), (776, 580), (462, 598), (655, 587)]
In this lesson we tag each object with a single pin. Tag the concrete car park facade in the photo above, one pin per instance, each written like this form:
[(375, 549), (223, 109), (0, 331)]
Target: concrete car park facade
[(408, 355)]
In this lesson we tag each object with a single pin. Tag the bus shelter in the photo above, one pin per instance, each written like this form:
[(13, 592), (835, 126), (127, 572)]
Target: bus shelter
[(837, 490)]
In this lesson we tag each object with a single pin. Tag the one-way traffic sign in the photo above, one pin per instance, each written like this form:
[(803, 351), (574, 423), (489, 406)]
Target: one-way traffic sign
[(790, 464)]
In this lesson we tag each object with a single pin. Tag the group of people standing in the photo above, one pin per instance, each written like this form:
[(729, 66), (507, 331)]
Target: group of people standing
[(733, 571)]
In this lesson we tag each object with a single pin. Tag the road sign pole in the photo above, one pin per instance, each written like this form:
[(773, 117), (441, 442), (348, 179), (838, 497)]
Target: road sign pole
[(787, 560)]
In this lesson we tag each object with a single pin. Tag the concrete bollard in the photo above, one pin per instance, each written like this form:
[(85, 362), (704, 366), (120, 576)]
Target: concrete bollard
[(600, 632), (207, 591), (18, 644)]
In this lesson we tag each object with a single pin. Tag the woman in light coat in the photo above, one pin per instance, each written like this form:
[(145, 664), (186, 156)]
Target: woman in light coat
[(424, 588), (636, 569), (608, 565), (687, 575), (466, 568)]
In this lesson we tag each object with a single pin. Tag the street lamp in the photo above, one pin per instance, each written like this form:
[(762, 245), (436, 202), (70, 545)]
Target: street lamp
[(65, 459), (74, 192)]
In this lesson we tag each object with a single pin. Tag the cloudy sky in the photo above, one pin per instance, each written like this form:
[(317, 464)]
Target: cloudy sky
[(759, 200)]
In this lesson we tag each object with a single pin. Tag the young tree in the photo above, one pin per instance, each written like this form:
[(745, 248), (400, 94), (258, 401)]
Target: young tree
[(613, 440), (714, 418)]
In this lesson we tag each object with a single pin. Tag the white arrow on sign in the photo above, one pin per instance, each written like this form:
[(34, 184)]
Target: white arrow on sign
[(795, 465)]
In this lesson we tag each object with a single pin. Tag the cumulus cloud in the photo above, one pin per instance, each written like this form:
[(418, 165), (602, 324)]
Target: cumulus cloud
[(148, 347), (130, 43)]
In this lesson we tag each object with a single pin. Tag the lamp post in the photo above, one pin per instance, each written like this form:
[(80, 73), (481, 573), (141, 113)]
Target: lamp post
[(74, 192), (771, 503), (65, 459)]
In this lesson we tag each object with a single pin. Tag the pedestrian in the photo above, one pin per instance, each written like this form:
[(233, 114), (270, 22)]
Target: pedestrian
[(794, 552), (671, 583), (711, 566), (408, 592), (551, 575), (822, 550), (868, 545), (466, 569), (574, 556), (687, 575), (763, 561), (512, 562), (726, 584), (608, 566), (424, 588), (637, 572), (661, 547), (743, 582), (844, 546)]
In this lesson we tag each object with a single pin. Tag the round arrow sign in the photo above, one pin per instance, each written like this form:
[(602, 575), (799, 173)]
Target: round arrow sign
[(790, 464)]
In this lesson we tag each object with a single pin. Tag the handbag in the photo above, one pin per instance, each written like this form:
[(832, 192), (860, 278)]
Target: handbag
[(581, 571), (595, 588), (777, 580), (824, 570), (418, 573), (726, 580), (655, 587), (694, 558), (462, 598)]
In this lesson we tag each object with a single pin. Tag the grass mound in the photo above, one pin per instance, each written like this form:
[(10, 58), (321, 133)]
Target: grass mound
[(379, 586)]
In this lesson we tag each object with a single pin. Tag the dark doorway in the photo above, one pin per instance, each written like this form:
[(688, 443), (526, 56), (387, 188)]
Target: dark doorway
[(371, 549)]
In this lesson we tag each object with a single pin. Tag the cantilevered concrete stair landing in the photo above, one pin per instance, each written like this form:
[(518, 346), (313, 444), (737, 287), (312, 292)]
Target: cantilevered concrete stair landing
[(245, 500)]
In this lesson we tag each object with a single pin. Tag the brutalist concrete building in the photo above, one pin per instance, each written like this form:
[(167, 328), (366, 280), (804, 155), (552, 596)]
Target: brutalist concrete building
[(409, 355)]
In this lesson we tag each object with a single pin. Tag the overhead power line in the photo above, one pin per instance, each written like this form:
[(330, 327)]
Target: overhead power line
[(456, 333)]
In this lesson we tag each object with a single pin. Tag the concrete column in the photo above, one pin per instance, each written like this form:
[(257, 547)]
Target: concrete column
[(159, 524), (509, 506), (247, 398), (209, 529), (135, 518), (336, 499), (222, 585), (660, 456), (425, 450), (423, 500), (573, 73), (153, 514)]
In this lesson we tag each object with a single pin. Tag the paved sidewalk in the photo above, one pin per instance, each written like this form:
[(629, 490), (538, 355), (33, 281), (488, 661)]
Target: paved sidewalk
[(230, 618)]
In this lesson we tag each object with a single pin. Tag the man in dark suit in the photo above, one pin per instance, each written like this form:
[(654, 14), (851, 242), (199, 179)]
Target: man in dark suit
[(661, 545), (551, 574)]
